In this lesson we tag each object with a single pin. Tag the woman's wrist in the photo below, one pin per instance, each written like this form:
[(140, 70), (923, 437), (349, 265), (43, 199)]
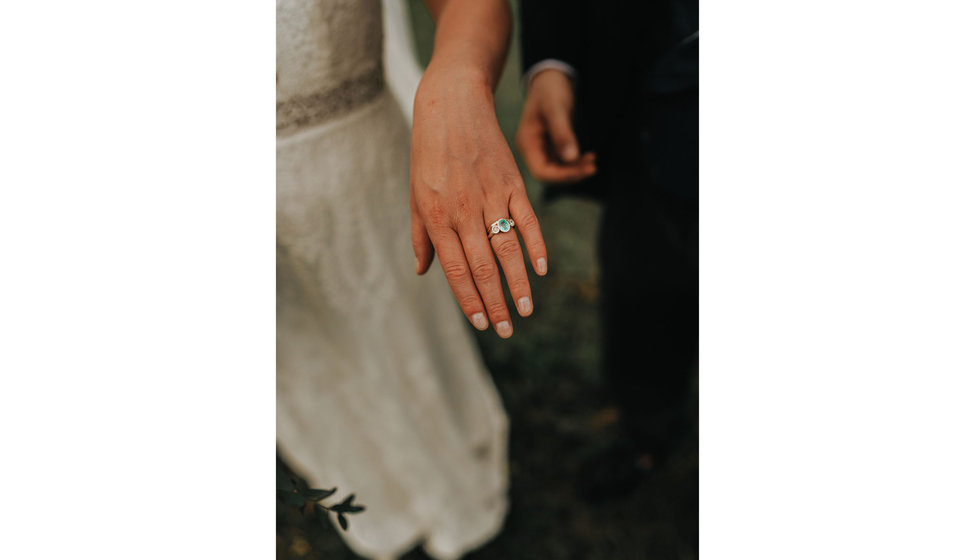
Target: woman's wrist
[(442, 81), (467, 73)]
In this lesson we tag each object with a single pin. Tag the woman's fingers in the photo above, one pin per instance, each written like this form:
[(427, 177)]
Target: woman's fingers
[(469, 259), (530, 230), (420, 242), (486, 276), (511, 257), (457, 270)]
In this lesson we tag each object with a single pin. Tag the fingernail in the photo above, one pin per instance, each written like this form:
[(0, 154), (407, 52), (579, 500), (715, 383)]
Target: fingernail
[(542, 266), (569, 152), (524, 306), (503, 329), (479, 321), (416, 265)]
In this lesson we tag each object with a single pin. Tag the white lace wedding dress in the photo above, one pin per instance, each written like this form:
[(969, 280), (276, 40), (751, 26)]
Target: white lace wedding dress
[(380, 389)]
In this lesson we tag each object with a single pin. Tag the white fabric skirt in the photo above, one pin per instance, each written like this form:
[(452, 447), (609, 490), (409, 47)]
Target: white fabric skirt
[(380, 388)]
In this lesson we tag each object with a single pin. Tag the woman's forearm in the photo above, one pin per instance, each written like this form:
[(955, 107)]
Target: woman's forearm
[(472, 37)]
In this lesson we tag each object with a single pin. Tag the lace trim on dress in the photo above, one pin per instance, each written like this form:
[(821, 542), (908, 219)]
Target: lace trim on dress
[(305, 110)]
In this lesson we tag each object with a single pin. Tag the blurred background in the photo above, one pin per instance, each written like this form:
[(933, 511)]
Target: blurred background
[(560, 413)]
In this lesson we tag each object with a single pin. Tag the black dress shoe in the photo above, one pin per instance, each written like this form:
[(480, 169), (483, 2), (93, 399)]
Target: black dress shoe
[(614, 472)]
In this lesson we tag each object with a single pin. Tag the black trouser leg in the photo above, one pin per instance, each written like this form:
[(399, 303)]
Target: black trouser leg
[(648, 254)]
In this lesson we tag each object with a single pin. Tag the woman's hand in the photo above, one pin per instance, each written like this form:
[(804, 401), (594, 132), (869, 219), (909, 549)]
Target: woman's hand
[(463, 179)]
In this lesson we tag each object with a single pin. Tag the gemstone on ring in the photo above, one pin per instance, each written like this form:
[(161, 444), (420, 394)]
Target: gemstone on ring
[(503, 225)]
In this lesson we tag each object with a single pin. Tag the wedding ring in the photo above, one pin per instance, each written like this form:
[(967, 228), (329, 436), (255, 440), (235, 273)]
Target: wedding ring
[(502, 225)]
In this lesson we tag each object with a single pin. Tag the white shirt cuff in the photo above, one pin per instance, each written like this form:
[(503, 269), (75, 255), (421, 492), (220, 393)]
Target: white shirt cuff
[(547, 64)]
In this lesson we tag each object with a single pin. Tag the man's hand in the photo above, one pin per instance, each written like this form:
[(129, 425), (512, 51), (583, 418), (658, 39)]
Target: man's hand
[(463, 179), (545, 136)]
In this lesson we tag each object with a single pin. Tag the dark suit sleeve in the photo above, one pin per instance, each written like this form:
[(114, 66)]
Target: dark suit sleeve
[(551, 29)]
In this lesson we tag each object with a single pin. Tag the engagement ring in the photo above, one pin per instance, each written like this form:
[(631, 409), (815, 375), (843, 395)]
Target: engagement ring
[(502, 225)]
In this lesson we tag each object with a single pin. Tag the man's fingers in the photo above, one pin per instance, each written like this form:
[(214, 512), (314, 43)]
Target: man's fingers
[(533, 146), (550, 171), (558, 174), (558, 122), (457, 270)]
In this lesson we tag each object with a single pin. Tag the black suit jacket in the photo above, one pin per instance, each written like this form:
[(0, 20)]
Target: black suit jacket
[(625, 53)]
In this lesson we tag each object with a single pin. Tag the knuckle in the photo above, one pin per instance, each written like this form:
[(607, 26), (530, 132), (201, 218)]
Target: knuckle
[(432, 212), (529, 221), (558, 112), (512, 182), (484, 271), (497, 309), (464, 207), (536, 247), (456, 272), (508, 248), (471, 304)]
